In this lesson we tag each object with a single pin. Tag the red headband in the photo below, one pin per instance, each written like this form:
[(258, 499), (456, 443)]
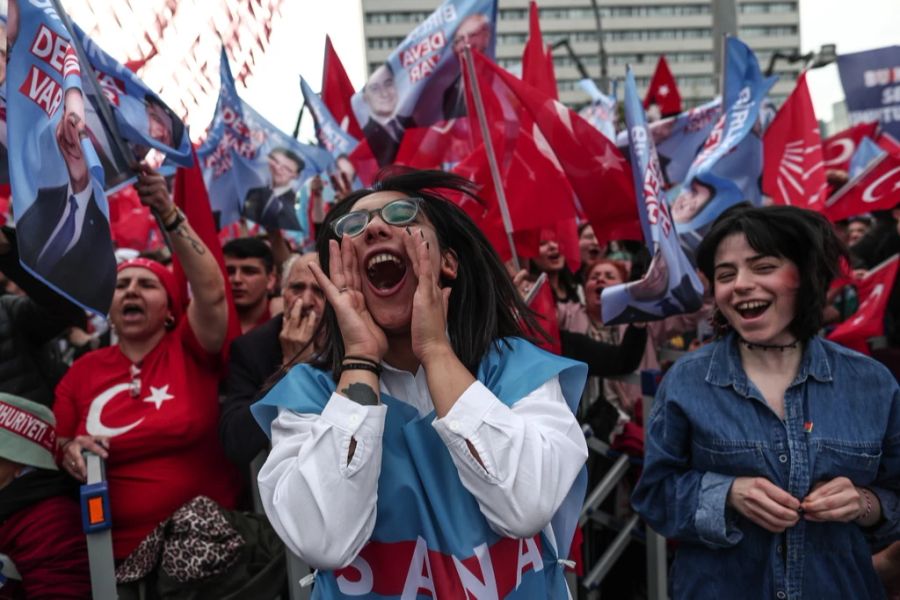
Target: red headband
[(165, 277), (27, 425)]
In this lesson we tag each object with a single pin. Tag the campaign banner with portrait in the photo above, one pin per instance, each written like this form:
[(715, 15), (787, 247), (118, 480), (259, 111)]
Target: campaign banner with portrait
[(601, 112), (421, 83), (252, 168), (330, 134), (143, 120), (871, 81), (670, 286), (62, 216), (678, 139), (727, 169)]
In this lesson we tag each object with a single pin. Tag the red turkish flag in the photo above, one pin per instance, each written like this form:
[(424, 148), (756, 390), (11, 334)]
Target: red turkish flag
[(593, 167), (876, 188), (839, 148), (191, 197), (868, 321), (131, 223), (337, 91), (544, 304), (536, 190), (663, 90), (537, 59), (888, 143), (793, 171), (435, 147)]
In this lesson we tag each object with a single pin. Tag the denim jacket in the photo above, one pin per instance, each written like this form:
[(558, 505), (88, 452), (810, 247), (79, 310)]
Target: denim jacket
[(710, 424)]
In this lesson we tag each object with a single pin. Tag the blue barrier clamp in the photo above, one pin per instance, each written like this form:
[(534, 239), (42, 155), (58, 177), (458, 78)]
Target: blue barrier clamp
[(95, 514)]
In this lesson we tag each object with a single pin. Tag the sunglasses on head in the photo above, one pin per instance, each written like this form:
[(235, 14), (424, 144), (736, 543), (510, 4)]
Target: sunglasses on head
[(398, 212)]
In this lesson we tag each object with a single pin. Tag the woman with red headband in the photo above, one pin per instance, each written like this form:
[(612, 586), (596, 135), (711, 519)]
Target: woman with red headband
[(149, 405)]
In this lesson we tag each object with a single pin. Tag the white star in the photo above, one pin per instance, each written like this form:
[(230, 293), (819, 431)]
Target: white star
[(609, 160), (663, 90), (158, 395)]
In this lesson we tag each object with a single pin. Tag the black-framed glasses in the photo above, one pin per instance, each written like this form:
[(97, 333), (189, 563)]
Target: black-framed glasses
[(398, 212)]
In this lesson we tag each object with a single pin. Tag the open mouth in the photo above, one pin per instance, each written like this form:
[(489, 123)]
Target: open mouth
[(385, 271), (132, 311), (752, 309), (594, 253)]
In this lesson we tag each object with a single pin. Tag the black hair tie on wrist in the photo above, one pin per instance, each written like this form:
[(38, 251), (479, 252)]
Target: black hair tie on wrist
[(361, 366)]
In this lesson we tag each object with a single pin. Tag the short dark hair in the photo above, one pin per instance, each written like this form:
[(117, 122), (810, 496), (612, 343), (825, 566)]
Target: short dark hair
[(802, 236), (485, 305), (250, 248), (291, 155)]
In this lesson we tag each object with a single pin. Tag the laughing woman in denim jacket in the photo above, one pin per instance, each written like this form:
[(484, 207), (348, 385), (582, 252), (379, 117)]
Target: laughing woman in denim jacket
[(773, 455)]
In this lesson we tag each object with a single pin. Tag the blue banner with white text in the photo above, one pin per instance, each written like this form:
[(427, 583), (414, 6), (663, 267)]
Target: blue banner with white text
[(420, 83), (871, 81), (728, 168), (251, 168), (62, 217), (142, 118), (670, 286)]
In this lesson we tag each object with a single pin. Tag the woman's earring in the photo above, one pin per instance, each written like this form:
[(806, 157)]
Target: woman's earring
[(170, 322)]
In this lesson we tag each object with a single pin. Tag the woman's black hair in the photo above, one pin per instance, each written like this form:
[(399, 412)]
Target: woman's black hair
[(802, 236), (484, 304)]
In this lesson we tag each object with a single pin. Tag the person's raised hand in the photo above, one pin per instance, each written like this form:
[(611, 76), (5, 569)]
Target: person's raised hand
[(428, 329), (343, 289), (297, 331), (72, 460), (764, 503), (522, 283), (834, 500), (153, 191)]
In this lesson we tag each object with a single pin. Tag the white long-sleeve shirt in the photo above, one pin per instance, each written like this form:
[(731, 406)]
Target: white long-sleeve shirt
[(324, 508)]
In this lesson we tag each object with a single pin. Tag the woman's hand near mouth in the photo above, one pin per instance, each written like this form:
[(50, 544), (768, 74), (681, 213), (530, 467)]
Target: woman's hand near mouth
[(428, 328), (343, 290)]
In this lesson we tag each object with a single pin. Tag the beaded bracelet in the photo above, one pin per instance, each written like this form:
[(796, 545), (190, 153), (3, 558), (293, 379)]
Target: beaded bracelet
[(867, 497)]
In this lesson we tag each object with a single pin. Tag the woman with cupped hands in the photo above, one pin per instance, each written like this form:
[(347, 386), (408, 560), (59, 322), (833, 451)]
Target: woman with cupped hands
[(441, 451)]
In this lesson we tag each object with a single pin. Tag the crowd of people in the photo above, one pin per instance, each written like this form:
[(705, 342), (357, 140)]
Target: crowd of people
[(394, 382)]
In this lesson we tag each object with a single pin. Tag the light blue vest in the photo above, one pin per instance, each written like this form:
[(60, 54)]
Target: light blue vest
[(430, 534)]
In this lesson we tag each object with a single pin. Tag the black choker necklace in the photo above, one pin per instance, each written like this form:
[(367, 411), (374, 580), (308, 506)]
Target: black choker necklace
[(781, 347)]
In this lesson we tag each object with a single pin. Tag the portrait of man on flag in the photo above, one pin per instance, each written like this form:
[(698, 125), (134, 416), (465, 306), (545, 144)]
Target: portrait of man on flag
[(274, 206), (62, 214), (420, 83)]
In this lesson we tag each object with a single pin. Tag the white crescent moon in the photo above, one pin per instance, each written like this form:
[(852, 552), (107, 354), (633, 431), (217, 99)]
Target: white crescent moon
[(846, 151), (95, 426), (869, 193)]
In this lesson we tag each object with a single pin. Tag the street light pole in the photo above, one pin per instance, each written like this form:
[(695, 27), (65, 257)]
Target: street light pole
[(604, 76)]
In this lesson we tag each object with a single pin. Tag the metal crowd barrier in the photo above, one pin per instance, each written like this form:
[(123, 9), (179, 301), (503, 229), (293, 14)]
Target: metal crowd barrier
[(97, 527), (297, 570), (631, 528)]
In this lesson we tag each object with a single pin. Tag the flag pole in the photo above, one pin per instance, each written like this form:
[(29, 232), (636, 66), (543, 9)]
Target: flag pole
[(299, 118), (103, 106), (102, 102), (492, 158)]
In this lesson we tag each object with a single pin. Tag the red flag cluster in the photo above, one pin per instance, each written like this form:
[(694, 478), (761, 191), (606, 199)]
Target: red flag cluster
[(868, 321), (663, 90)]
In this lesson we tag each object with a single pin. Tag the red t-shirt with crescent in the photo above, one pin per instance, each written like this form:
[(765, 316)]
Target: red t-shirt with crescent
[(164, 446)]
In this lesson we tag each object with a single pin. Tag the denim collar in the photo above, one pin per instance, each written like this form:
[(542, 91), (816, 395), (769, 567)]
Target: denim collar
[(725, 368)]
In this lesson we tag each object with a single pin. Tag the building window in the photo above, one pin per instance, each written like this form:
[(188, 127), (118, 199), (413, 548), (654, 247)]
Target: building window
[(380, 18), (768, 30), (383, 43), (512, 14), (753, 8)]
